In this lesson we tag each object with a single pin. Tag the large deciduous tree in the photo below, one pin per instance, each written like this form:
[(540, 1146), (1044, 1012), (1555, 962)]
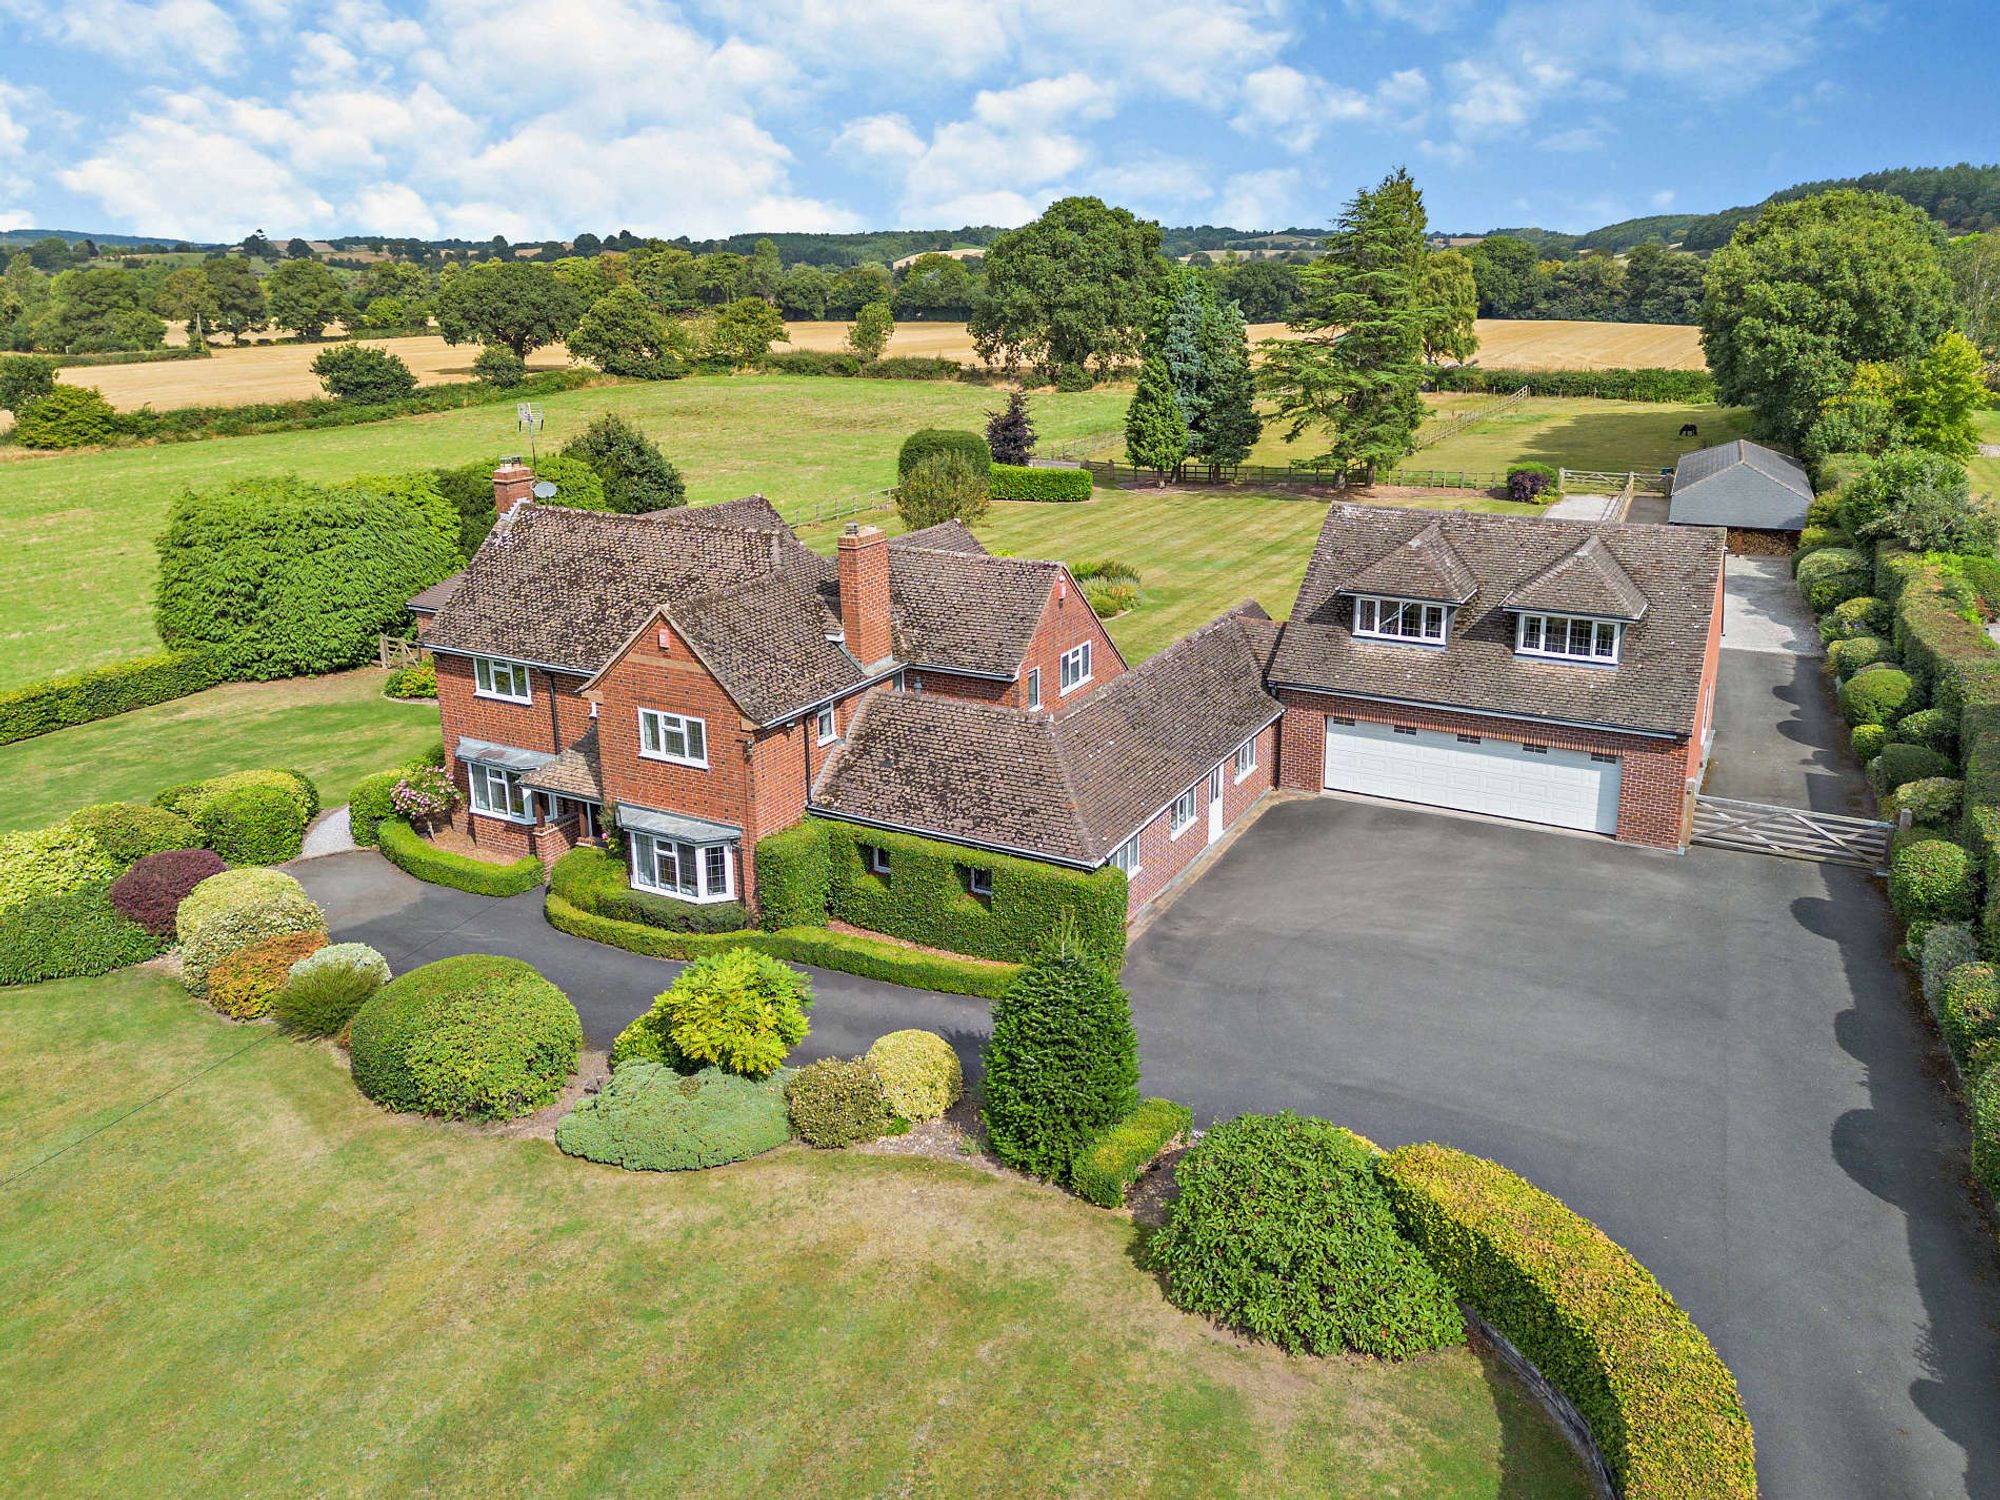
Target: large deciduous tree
[(239, 295), (1070, 291), (1355, 371), (187, 297), (742, 333), (1807, 289), (1451, 304), (637, 476), (1974, 263), (869, 335), (623, 335), (935, 286), (305, 297), (516, 303)]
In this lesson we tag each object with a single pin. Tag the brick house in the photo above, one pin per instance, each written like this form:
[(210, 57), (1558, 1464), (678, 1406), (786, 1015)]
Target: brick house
[(1557, 672), (699, 679)]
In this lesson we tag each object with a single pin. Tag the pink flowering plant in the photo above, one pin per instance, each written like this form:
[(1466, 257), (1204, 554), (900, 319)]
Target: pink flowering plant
[(424, 796)]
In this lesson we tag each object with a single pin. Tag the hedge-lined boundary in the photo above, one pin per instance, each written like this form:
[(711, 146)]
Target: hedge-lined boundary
[(406, 850), (1020, 482), (1659, 1400), (814, 946), (129, 357), (1643, 383), (100, 692)]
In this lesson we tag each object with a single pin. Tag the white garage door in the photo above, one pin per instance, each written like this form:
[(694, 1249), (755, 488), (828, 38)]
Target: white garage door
[(1568, 788)]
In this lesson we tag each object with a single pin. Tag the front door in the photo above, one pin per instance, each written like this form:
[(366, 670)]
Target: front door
[(1215, 804)]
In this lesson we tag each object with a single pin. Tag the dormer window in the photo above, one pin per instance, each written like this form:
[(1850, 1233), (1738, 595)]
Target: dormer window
[(1401, 620), (1570, 637)]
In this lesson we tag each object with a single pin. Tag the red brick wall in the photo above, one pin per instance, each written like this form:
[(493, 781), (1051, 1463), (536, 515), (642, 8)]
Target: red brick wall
[(1162, 858), (863, 563), (979, 689), (1710, 662), (551, 722), (1652, 774), (1067, 622)]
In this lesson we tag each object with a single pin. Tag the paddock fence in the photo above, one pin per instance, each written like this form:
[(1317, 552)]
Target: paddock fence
[(1469, 419)]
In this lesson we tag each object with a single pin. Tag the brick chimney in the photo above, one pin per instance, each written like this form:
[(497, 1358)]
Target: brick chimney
[(513, 482), (864, 593)]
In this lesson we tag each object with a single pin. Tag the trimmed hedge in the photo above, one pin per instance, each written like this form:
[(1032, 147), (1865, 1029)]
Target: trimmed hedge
[(929, 442), (407, 850), (1282, 1230), (216, 937), (814, 947), (101, 692), (1876, 697), (1019, 482), (252, 825), (231, 891), (325, 989), (794, 877), (1832, 576), (921, 1076), (652, 1119), (596, 882), (1931, 801), (1815, 538), (1930, 727), (189, 797), (38, 862), (1867, 740), (1629, 383), (1864, 614), (1115, 1157), (1931, 880), (1663, 1407), (1945, 946), (127, 832), (243, 985), (1986, 1131), (1898, 765), (73, 935), (1968, 1012), (475, 1036), (924, 898), (837, 1102), (1850, 655), (368, 804), (151, 892)]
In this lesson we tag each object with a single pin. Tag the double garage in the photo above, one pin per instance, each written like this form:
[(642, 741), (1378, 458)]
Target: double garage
[(1474, 773)]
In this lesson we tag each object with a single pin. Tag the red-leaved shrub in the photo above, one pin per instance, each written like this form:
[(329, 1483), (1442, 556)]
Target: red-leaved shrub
[(151, 891)]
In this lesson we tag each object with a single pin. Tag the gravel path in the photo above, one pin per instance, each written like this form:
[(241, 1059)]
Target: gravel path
[(332, 834)]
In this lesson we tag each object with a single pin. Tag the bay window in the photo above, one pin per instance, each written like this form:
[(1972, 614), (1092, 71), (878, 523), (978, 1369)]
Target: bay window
[(675, 867)]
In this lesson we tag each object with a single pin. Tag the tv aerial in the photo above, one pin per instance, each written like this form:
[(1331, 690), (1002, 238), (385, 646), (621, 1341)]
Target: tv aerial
[(528, 419)]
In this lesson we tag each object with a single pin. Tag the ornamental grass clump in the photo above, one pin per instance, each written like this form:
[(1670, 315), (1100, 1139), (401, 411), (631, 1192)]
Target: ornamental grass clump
[(323, 990), (739, 1010), (649, 1118), (1281, 1230)]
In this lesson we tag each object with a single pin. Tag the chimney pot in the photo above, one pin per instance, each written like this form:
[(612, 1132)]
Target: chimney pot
[(864, 593)]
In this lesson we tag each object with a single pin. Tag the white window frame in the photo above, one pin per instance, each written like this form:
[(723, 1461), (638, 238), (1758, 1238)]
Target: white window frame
[(703, 889), (1178, 822), (979, 881), (1073, 670), (1246, 759), (516, 804), (690, 730), (1126, 857), (1382, 619), (876, 861), (488, 674), (1606, 638), (826, 728), (1034, 687)]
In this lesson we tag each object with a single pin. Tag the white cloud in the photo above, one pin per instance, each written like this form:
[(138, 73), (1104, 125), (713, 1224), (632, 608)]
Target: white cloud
[(883, 137), (1577, 139), (167, 36), (1663, 199), (1292, 108), (1265, 199), (1423, 15)]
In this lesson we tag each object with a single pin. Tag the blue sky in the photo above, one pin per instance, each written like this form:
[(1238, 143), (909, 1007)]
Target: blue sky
[(207, 119)]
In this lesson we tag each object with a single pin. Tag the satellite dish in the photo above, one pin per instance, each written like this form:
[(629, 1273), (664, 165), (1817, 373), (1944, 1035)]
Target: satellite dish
[(544, 490)]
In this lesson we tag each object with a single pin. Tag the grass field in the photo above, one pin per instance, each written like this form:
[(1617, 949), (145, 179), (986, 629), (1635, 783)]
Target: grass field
[(336, 729), (76, 530), (260, 1284), (1985, 472)]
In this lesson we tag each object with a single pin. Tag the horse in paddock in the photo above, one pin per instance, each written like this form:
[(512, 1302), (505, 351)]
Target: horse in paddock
[(1688, 429)]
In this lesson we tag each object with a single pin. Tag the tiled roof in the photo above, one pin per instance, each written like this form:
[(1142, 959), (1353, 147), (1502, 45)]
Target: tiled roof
[(1588, 581), (946, 536), (766, 642), (574, 773), (1740, 484), (1072, 786), (437, 596), (1654, 688), (966, 611), (1424, 567)]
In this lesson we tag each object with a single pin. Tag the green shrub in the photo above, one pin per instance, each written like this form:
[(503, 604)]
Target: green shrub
[(837, 1102), (924, 898), (476, 1036), (596, 882), (1942, 947), (1930, 727), (252, 825), (930, 442), (323, 990), (1968, 1012), (1282, 1231), (409, 852), (129, 831), (1868, 740), (368, 804), (1931, 801), (1850, 655), (243, 985), (102, 692), (214, 938), (231, 891), (1986, 1130), (418, 680), (281, 577), (1116, 1155), (577, 484), (1534, 483), (815, 947), (794, 877), (637, 476), (25, 378), (39, 862), (1898, 765), (739, 1010), (1063, 1060), (1932, 880), (500, 367), (364, 373), (916, 367), (1865, 614), (190, 797), (1061, 486), (1817, 538), (941, 487), (1832, 575), (652, 1119), (151, 892), (1663, 1408), (1876, 697), (70, 416), (71, 935), (921, 1076), (824, 362)]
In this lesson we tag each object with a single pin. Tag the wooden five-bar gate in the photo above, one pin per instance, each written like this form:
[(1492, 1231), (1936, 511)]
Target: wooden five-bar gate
[(1792, 832)]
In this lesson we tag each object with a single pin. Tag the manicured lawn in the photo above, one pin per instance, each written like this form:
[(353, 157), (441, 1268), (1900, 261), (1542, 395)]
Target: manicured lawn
[(260, 1284), (336, 729), (76, 531)]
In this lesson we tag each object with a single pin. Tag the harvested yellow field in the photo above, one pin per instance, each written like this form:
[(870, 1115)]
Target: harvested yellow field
[(939, 340), (270, 372)]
